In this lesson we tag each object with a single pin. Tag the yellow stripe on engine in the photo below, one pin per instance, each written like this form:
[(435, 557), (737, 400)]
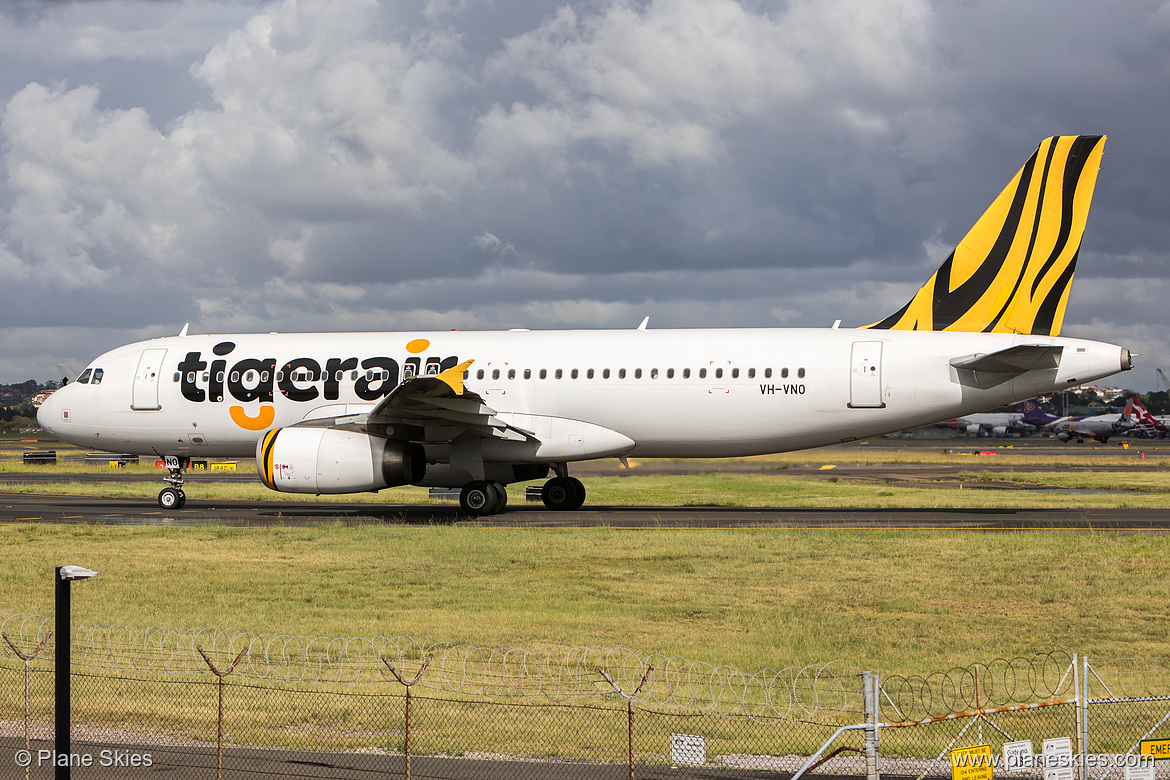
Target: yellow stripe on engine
[(266, 448)]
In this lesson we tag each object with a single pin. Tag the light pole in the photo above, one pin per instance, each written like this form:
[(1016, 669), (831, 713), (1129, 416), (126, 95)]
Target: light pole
[(62, 577)]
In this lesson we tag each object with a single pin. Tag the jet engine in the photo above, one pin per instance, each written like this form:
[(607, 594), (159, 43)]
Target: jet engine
[(330, 460)]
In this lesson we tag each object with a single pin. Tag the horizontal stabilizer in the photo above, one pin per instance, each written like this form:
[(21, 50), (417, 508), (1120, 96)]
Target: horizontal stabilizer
[(1013, 360)]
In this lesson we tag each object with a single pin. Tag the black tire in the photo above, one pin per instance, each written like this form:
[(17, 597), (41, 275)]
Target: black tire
[(501, 491), (563, 494), (170, 498), (182, 499), (477, 498)]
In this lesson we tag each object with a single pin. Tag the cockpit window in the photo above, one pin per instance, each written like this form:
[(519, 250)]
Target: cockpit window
[(97, 376), (84, 378)]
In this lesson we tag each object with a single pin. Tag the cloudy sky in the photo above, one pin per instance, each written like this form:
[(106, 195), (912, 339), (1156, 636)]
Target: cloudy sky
[(436, 164)]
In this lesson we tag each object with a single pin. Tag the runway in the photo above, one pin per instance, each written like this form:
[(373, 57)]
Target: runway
[(24, 508), (31, 508)]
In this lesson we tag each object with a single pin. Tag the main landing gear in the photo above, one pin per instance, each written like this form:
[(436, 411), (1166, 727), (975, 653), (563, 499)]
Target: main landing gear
[(562, 492), (173, 497), (483, 497)]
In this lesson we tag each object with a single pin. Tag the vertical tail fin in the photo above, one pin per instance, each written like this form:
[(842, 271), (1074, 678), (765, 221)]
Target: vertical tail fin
[(1034, 415), (1013, 270), (1137, 412)]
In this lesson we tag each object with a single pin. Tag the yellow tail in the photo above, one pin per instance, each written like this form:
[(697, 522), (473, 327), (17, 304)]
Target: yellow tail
[(1012, 272)]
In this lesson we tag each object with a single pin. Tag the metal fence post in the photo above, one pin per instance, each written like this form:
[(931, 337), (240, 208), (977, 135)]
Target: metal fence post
[(1083, 737), (399, 677), (219, 718), (870, 685), (26, 658), (629, 707)]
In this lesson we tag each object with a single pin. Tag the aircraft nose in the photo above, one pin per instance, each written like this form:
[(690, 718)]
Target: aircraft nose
[(47, 413)]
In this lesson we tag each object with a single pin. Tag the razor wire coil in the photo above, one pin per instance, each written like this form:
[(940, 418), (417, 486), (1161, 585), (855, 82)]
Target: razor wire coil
[(814, 692)]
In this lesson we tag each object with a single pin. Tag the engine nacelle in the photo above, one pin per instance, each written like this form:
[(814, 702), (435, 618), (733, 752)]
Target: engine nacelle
[(329, 460)]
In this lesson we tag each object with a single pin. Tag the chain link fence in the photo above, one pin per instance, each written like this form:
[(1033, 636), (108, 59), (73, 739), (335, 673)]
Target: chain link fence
[(204, 703)]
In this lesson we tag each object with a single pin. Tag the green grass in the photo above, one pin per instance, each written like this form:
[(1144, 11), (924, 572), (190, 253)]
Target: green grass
[(896, 602), (1149, 490)]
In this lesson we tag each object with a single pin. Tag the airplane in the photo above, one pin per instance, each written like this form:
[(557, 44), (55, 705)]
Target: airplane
[(992, 424), (354, 412), (1148, 425), (1134, 419)]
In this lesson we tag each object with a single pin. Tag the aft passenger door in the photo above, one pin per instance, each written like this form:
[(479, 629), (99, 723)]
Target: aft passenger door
[(865, 376), (146, 379)]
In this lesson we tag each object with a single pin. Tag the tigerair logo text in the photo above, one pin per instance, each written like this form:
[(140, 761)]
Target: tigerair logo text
[(301, 379)]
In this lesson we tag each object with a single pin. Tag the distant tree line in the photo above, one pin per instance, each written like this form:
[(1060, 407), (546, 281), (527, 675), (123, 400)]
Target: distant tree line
[(16, 404), (1089, 400)]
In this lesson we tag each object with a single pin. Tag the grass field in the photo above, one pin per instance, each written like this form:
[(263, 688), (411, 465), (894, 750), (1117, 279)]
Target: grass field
[(754, 598), (899, 603), (895, 601)]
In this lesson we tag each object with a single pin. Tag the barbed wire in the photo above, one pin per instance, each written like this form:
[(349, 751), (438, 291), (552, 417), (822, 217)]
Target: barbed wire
[(1000, 683), (1129, 678), (816, 692)]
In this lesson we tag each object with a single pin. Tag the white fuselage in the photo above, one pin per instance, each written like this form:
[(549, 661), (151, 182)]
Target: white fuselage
[(674, 393)]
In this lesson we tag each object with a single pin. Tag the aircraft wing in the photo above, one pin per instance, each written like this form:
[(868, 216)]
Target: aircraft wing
[(1013, 360), (439, 408)]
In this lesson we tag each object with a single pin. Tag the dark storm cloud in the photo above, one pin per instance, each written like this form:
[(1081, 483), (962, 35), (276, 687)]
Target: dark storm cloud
[(468, 163)]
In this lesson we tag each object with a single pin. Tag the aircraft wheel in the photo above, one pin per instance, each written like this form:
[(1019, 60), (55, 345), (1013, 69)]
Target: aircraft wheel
[(477, 498), (563, 493), (501, 492), (170, 498), (182, 499)]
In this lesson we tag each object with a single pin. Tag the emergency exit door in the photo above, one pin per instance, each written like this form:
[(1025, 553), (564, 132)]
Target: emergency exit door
[(865, 376)]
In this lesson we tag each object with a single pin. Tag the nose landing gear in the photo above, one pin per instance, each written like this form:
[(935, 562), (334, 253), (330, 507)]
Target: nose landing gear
[(173, 497)]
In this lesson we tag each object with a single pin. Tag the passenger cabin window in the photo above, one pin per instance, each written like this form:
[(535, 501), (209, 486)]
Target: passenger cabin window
[(767, 373), (800, 373), (702, 373), (751, 373), (784, 373), (495, 373), (528, 373), (544, 373), (605, 374), (686, 373), (560, 373), (637, 373), (621, 373), (573, 374), (511, 373), (719, 373)]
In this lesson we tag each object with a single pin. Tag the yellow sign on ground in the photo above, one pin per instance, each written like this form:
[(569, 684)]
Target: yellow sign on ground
[(971, 763), (1158, 748)]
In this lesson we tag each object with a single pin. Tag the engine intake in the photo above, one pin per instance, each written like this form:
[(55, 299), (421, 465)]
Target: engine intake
[(328, 460)]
